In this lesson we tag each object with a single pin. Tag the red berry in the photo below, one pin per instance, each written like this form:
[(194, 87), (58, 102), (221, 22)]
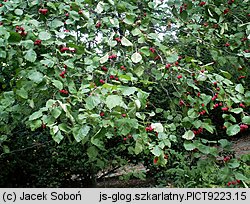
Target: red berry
[(67, 14), (225, 108), (124, 115), (37, 42), (152, 50), (80, 12), (242, 105), (123, 68), (111, 76), (179, 76), (118, 39), (181, 103), (229, 183), (43, 126), (168, 66), (104, 68), (155, 160), (176, 63), (226, 11), (202, 3), (227, 44), (98, 24), (64, 49), (102, 81), (124, 138), (102, 114), (43, 11)]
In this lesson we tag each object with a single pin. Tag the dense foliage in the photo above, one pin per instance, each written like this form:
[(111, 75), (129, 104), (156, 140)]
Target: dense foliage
[(88, 85)]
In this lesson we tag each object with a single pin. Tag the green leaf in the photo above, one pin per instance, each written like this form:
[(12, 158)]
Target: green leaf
[(130, 18), (92, 102), (80, 133), (246, 120), (6, 149), (172, 58), (30, 55), (18, 12), (57, 84), (22, 93), (113, 101), (240, 176), (139, 70), (44, 35), (136, 57), (3, 54), (189, 135), (156, 151), (56, 23), (157, 127), (104, 59), (239, 88), (138, 147), (56, 112), (236, 110), (184, 15), (36, 115), (233, 130), (126, 42), (125, 125), (99, 8), (36, 76), (57, 137), (126, 91), (208, 127), (92, 152), (189, 146)]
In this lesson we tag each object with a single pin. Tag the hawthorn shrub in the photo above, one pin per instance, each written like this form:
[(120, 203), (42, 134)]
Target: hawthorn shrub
[(125, 81)]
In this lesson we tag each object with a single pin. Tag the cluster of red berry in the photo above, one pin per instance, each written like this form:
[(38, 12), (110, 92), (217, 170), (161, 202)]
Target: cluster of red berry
[(21, 31), (233, 182), (37, 42), (43, 11), (199, 131)]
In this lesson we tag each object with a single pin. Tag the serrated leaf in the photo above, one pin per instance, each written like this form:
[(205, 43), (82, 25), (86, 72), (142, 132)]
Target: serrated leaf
[(236, 110), (30, 55), (126, 91), (44, 35), (56, 23), (56, 112), (81, 133), (126, 42), (208, 127), (92, 152), (246, 120), (189, 135), (239, 88), (136, 57), (92, 102), (233, 130), (158, 127), (57, 137), (22, 93), (36, 115), (57, 84), (189, 146), (36, 76), (172, 58), (156, 151), (18, 12), (99, 7), (138, 147), (104, 59), (113, 101)]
